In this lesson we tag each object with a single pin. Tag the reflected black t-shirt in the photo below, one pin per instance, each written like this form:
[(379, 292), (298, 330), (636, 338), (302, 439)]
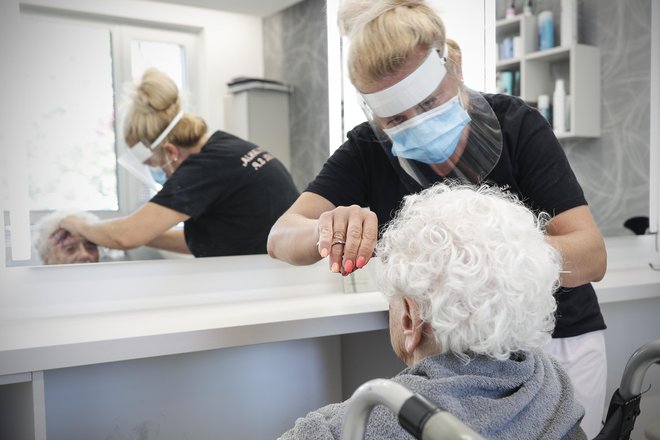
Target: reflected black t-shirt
[(532, 165), (233, 192)]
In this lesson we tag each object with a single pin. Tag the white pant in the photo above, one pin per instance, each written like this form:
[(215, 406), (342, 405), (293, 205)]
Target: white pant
[(584, 359)]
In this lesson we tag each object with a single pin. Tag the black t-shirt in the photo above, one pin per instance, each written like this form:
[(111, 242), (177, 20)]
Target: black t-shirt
[(233, 192), (532, 165)]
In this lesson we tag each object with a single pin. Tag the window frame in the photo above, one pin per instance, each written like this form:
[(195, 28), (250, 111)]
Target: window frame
[(128, 188)]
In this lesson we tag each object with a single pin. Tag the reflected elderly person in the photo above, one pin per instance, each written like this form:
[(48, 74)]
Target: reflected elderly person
[(59, 246), (469, 276)]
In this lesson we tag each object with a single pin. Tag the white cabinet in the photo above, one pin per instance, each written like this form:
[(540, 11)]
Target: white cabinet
[(258, 111), (577, 64), (22, 406)]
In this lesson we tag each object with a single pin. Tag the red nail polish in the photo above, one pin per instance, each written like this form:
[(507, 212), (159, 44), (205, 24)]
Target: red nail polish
[(348, 266)]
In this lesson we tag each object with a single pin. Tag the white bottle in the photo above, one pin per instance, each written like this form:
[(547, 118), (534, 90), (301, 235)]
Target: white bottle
[(559, 107), (568, 113), (544, 106)]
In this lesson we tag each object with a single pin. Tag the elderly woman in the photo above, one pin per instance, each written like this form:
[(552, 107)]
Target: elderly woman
[(469, 276), (424, 125), (227, 192), (59, 246)]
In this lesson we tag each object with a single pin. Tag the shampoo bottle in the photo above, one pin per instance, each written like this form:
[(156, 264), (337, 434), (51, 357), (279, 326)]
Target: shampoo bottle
[(546, 30), (559, 107)]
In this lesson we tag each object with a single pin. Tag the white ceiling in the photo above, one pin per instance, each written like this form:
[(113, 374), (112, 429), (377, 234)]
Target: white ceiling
[(259, 8)]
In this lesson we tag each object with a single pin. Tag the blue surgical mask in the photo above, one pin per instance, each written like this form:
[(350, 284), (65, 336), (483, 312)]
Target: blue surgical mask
[(430, 137), (158, 175)]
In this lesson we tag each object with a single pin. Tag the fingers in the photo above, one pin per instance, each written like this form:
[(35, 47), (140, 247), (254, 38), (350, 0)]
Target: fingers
[(347, 235), (368, 242), (325, 233), (59, 235)]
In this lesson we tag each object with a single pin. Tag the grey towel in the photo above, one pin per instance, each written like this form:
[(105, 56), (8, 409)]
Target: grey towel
[(529, 397)]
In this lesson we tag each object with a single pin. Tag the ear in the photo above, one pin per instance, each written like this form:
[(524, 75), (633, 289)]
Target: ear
[(412, 325), (172, 150)]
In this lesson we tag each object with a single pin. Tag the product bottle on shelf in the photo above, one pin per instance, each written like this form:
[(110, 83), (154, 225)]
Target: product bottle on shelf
[(559, 107), (510, 9), (546, 30), (568, 113), (544, 106), (527, 8)]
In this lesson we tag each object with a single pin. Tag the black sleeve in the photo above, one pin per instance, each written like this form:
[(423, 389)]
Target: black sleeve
[(344, 179), (544, 175)]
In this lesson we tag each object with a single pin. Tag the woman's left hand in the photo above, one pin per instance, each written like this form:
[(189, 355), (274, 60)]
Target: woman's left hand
[(347, 235)]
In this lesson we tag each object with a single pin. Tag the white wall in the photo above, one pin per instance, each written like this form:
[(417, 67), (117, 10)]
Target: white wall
[(654, 178)]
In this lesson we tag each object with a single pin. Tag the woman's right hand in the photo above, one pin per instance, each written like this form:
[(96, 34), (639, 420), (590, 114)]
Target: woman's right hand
[(347, 236)]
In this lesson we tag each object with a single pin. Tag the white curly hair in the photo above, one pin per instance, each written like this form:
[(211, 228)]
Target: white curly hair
[(47, 225), (476, 262)]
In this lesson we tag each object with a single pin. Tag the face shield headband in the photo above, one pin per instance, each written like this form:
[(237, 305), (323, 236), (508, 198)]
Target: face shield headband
[(134, 158), (143, 150), (433, 127), (408, 92)]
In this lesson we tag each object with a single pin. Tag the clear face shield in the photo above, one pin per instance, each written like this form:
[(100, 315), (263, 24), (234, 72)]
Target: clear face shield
[(136, 159), (435, 126)]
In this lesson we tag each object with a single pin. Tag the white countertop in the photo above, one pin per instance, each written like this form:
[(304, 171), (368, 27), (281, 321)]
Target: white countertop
[(55, 317)]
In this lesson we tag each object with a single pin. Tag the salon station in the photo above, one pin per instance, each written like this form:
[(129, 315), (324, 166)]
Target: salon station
[(152, 344)]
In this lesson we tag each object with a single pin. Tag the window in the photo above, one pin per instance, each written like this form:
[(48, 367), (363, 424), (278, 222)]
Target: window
[(75, 80), (67, 81)]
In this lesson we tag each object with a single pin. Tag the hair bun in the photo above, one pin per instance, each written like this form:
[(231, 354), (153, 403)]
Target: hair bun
[(353, 15), (156, 93)]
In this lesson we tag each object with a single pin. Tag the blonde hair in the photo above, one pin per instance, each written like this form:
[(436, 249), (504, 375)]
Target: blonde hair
[(155, 102), (385, 34), (477, 263)]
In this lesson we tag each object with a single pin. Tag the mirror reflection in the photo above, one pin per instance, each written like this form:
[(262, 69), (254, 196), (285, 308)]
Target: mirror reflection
[(77, 130), (79, 65)]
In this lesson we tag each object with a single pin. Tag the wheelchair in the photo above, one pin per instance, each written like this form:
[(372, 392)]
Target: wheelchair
[(424, 420)]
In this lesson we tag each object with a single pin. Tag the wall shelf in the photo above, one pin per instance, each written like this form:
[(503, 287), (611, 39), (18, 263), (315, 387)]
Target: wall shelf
[(577, 64)]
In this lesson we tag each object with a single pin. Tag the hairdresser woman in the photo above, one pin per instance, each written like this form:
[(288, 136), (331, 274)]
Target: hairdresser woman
[(424, 126), (228, 192)]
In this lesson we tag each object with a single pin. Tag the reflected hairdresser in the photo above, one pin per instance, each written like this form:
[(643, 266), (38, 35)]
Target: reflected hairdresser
[(227, 191)]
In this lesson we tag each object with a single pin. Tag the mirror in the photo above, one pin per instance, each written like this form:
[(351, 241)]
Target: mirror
[(612, 168), (102, 40)]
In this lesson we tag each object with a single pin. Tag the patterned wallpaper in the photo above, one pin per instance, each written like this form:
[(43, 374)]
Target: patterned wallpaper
[(296, 52), (612, 169)]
